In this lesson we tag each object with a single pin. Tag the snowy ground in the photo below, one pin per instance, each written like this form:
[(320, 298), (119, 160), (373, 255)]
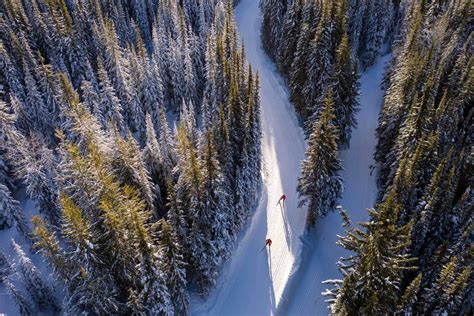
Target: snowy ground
[(287, 279)]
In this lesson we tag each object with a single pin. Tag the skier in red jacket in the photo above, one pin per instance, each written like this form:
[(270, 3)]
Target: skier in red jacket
[(282, 198), (268, 242)]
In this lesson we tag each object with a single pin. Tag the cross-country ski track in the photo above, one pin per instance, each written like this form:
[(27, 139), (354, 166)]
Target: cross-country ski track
[(286, 280)]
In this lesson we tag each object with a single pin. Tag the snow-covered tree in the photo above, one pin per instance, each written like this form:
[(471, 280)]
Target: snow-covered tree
[(320, 184), (24, 305), (39, 291), (11, 213), (174, 267), (5, 266), (110, 105), (373, 276), (345, 92)]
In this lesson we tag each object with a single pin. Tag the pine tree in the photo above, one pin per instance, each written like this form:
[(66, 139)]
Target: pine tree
[(448, 289), (109, 103), (298, 70), (91, 99), (91, 288), (373, 276), (291, 26), (24, 305), (128, 163), (320, 184), (320, 65), (166, 145), (345, 92), (212, 222), (6, 268), (254, 130), (153, 294), (174, 267), (11, 212), (34, 163), (152, 158), (40, 292), (48, 245)]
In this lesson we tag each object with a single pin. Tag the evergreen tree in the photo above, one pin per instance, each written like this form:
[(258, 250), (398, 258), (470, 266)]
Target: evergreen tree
[(40, 292), (373, 276), (174, 267), (320, 184), (91, 288), (24, 305), (129, 166), (345, 92), (109, 103), (11, 212), (447, 292), (6, 268), (153, 295)]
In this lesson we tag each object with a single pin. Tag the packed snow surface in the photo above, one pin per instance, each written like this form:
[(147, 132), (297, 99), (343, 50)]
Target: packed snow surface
[(286, 280)]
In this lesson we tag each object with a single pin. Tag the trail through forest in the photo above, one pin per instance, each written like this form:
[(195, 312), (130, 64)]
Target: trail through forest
[(287, 280), (253, 282)]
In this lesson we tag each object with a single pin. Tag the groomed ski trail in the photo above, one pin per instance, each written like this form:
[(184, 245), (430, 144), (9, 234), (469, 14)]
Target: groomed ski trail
[(303, 294), (253, 282)]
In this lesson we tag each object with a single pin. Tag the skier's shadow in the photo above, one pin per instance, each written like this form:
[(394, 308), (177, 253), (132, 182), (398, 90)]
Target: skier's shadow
[(287, 225), (270, 288)]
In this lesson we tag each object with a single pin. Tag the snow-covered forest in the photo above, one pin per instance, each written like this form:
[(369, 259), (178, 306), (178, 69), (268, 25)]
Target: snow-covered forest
[(223, 157), (134, 127)]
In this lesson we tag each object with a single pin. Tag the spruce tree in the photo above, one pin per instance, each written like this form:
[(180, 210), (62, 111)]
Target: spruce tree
[(42, 295), (6, 267), (373, 276), (345, 92), (91, 288), (320, 184), (11, 212), (174, 267), (24, 305)]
